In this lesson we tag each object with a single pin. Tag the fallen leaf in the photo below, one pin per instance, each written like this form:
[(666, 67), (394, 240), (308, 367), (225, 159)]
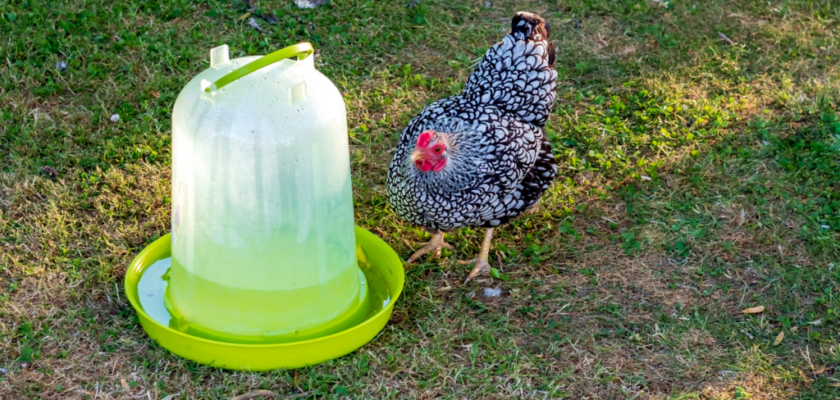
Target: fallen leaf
[(496, 274), (171, 396), (779, 338), (155, 94), (124, 384), (361, 256), (834, 384), (805, 377), (815, 323), (819, 370), (794, 329), (753, 310), (246, 15)]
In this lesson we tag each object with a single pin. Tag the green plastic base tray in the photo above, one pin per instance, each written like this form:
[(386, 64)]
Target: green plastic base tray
[(374, 254)]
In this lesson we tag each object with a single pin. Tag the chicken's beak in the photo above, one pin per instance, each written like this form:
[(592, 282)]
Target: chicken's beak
[(416, 155)]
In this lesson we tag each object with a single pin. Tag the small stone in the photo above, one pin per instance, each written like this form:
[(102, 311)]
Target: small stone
[(492, 292), (61, 66), (488, 4), (254, 24), (115, 118), (3, 371), (585, 178), (49, 171), (309, 3), (825, 227)]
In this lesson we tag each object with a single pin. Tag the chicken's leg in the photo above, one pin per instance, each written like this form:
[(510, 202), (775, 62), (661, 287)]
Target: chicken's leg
[(481, 263), (435, 244)]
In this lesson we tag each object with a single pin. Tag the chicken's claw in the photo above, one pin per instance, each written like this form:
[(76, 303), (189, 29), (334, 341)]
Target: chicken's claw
[(481, 267), (481, 263), (436, 244)]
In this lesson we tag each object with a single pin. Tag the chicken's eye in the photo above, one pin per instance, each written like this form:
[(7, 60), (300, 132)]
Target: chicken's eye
[(438, 149)]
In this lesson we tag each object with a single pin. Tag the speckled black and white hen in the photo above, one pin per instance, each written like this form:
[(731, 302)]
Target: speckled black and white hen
[(481, 158)]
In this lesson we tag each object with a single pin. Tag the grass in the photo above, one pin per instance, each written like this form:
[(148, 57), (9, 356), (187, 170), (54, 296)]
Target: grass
[(700, 178)]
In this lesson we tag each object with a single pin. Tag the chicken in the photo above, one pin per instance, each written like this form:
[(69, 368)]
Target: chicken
[(481, 158)]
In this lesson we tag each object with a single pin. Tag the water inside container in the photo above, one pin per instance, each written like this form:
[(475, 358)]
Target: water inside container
[(151, 290)]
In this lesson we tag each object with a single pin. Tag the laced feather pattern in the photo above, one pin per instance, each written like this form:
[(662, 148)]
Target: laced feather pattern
[(499, 162)]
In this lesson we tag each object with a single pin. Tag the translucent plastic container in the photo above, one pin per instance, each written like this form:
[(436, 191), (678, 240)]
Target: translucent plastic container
[(263, 246)]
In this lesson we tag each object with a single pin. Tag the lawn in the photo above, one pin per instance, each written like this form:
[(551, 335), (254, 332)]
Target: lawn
[(698, 143)]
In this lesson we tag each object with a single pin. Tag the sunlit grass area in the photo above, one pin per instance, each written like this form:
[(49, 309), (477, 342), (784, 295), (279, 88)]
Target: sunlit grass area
[(698, 144)]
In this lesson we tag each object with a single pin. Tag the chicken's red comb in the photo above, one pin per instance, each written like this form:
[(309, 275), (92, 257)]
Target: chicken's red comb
[(424, 139)]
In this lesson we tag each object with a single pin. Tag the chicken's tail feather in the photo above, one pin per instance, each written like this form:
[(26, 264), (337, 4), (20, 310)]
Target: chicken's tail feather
[(530, 26), (517, 75)]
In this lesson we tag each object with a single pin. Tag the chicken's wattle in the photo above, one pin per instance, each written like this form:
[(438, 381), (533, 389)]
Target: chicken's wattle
[(429, 155)]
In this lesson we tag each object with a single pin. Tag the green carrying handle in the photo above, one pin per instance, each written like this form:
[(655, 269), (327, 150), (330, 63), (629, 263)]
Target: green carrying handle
[(300, 50)]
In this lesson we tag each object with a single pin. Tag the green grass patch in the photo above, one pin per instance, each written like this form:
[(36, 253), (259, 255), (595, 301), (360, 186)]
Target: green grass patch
[(698, 178)]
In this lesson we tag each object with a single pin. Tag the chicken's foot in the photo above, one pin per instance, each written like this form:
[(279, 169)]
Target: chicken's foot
[(435, 244), (482, 266)]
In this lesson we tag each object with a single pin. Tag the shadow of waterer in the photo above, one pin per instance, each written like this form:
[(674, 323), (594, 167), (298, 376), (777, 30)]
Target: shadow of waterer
[(264, 267)]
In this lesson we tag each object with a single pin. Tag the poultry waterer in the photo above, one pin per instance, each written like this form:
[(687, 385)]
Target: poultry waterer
[(264, 267)]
